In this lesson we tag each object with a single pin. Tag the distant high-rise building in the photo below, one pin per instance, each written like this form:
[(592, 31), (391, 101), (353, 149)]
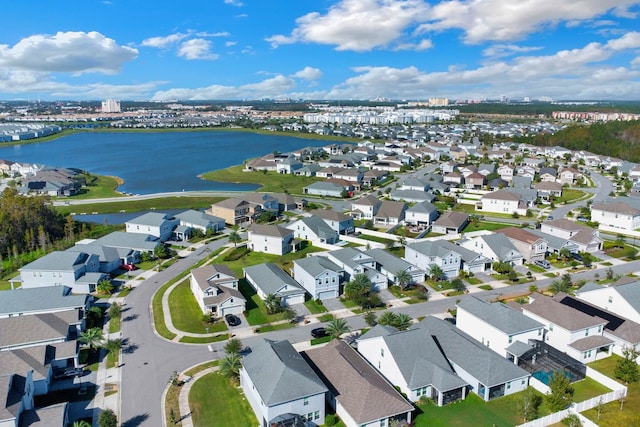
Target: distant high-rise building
[(438, 102), (111, 106)]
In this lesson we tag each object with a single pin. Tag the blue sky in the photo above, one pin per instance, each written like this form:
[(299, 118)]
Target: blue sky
[(319, 49)]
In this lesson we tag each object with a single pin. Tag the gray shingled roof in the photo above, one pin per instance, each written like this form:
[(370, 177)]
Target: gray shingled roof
[(359, 388), (280, 374), (29, 300), (499, 315), (318, 226), (154, 219), (271, 278), (315, 265), (58, 261), (438, 248), (631, 293), (391, 262), (269, 230), (36, 328), (121, 239), (198, 218)]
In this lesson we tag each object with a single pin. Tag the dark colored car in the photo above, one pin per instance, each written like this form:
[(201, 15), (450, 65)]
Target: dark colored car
[(319, 332), (69, 372), (576, 256), (232, 319)]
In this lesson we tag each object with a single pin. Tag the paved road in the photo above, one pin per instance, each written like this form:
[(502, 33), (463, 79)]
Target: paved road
[(600, 193)]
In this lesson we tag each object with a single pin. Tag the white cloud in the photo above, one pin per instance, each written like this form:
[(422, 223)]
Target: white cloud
[(308, 73), (424, 44), (73, 52), (271, 88), (503, 50), (627, 41), (196, 49), (507, 20), (359, 25), (230, 43), (237, 3), (163, 41)]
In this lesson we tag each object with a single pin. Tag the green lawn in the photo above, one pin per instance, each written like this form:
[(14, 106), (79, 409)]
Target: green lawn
[(204, 340), (178, 202), (588, 388), (485, 225), (472, 281), (569, 195), (255, 312), (214, 402), (627, 251), (315, 307), (99, 186), (114, 324), (270, 181), (473, 411), (612, 416), (413, 293), (186, 314)]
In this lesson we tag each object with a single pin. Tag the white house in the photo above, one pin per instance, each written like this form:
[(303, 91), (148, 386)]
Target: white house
[(496, 325), (496, 247), (622, 298), (531, 246), (366, 207), (503, 201), (215, 288), (278, 382), (585, 238), (338, 221), (269, 279), (270, 239), (354, 261), (314, 229), (390, 265), (616, 214), (319, 276), (577, 334), (421, 214), (157, 224), (439, 361), (428, 253)]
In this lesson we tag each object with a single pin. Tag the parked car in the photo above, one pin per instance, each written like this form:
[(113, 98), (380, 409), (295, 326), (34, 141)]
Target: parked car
[(319, 332), (128, 267), (583, 219), (232, 319), (550, 217), (69, 372), (576, 256), (543, 263)]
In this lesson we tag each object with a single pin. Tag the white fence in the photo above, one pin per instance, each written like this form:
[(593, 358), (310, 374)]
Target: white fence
[(538, 385)]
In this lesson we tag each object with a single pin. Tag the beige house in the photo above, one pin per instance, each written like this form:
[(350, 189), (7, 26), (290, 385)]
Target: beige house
[(215, 288), (234, 211)]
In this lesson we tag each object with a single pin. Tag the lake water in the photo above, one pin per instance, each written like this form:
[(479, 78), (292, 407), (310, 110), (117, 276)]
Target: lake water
[(155, 162)]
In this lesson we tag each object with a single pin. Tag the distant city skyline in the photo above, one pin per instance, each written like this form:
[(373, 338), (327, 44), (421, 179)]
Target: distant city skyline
[(320, 50)]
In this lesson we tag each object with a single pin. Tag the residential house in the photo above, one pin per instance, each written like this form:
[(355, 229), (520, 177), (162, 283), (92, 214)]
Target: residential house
[(289, 165), (531, 246), (18, 409), (215, 288), (198, 220), (496, 325), (585, 238), (621, 297), (322, 188), (421, 214), (338, 221), (447, 167), (496, 247), (623, 332), (548, 189), (455, 178), (286, 202), (127, 247), (354, 261), (617, 215), (308, 170), (475, 180), (467, 170), (526, 172), (77, 270), (319, 275), (390, 265), (49, 299), (357, 392), (451, 222), (314, 229), (328, 172), (390, 212), (372, 177), (569, 175), (503, 201), (577, 334), (411, 196), (555, 244), (271, 239), (352, 175), (437, 360), (280, 385), (441, 253), (414, 184), (365, 207), (52, 182), (506, 172), (547, 174), (486, 168), (156, 224), (235, 211), (269, 279), (261, 202)]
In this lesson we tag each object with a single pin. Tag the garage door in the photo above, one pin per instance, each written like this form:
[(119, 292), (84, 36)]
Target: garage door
[(293, 299), (327, 295)]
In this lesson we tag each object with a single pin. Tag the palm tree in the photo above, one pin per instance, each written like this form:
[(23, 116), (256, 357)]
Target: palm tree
[(436, 272), (337, 327), (565, 254), (234, 237), (233, 346), (559, 286), (403, 321), (387, 318), (112, 346), (81, 423), (619, 241), (230, 366), (271, 303), (93, 317), (105, 287), (403, 279), (92, 338)]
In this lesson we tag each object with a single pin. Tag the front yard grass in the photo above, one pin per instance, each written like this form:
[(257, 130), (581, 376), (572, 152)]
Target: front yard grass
[(485, 225), (569, 195), (315, 307), (269, 182), (414, 293), (204, 340), (473, 411), (626, 251), (256, 313), (215, 402), (186, 314), (612, 415)]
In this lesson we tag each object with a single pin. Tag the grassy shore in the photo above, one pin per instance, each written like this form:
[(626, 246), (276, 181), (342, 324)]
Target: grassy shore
[(176, 202), (269, 181)]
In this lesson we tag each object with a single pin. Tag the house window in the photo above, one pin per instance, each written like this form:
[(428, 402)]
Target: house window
[(316, 415), (610, 300), (305, 402), (510, 339), (586, 332), (551, 327), (508, 386), (539, 332), (600, 328), (382, 352), (310, 416), (383, 423)]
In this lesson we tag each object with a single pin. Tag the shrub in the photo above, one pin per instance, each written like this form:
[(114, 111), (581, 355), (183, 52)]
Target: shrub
[(330, 420)]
